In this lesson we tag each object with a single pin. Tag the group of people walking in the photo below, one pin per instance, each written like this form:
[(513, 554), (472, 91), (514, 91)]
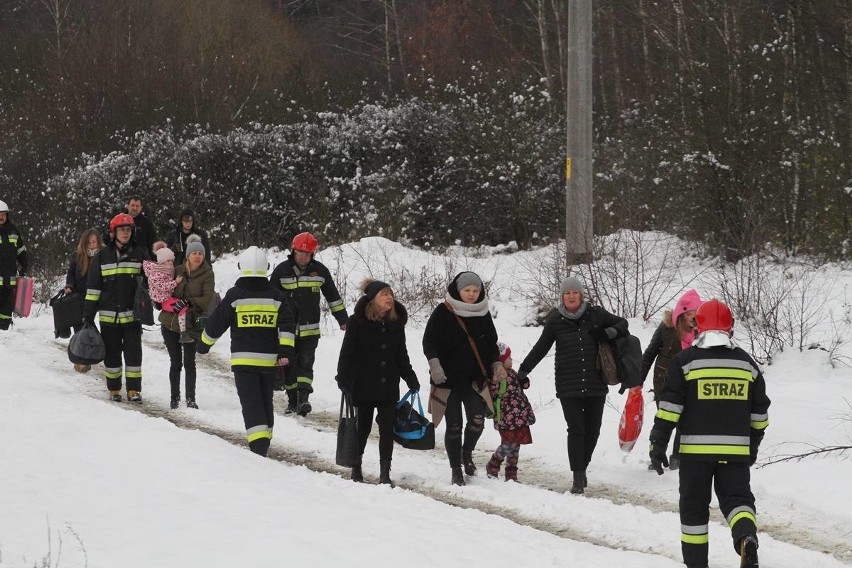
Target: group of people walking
[(708, 390)]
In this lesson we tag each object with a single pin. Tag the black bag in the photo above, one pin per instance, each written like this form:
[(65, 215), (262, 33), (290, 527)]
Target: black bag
[(348, 453), (143, 307), (628, 358), (67, 313), (411, 429), (200, 320), (87, 346)]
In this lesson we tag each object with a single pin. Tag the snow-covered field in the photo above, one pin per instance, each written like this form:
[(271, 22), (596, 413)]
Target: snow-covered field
[(87, 482)]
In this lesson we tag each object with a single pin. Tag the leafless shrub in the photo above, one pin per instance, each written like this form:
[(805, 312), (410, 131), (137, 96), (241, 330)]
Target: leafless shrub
[(777, 305), (637, 274)]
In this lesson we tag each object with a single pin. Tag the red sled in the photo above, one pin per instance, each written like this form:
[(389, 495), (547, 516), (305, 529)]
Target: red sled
[(24, 296), (630, 425)]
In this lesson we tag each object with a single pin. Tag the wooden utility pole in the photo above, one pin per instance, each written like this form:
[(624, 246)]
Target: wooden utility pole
[(578, 113)]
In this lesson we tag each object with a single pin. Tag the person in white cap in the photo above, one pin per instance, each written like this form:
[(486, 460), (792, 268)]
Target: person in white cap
[(262, 339)]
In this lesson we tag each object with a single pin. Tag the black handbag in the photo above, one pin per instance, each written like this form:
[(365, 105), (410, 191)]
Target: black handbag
[(348, 453), (87, 346), (143, 307), (411, 429), (67, 313)]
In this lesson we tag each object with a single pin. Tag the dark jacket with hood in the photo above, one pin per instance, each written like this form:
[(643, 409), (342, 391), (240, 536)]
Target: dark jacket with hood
[(664, 345), (445, 339), (576, 370), (177, 238), (374, 357), (13, 252)]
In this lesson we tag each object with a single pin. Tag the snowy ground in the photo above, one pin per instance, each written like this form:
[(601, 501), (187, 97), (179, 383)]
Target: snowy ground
[(86, 482)]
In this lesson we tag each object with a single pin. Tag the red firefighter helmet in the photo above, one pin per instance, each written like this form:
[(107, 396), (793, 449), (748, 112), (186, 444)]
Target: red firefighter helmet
[(121, 220), (304, 242), (713, 315)]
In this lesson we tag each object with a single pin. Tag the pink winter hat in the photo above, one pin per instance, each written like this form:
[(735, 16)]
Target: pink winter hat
[(689, 301)]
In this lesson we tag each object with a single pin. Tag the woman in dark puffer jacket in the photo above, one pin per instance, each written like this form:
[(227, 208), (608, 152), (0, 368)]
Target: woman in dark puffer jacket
[(373, 358), (577, 327)]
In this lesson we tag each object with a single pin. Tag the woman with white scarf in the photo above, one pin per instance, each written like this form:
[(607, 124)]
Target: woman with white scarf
[(460, 343)]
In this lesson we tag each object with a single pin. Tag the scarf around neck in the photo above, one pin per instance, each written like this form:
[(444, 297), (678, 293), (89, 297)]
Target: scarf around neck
[(576, 315), (465, 310)]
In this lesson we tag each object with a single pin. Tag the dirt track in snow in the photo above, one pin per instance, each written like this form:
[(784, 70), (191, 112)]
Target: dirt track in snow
[(535, 475)]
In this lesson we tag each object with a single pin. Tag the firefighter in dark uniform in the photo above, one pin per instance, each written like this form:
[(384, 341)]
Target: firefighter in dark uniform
[(13, 252), (262, 340), (303, 279), (114, 274), (716, 395)]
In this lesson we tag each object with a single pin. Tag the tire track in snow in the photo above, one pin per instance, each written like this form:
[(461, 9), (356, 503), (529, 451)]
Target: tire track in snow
[(535, 475)]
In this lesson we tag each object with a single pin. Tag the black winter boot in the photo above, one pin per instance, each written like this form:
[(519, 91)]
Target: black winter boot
[(357, 474), (457, 477), (577, 487), (467, 460), (748, 551), (384, 473), (291, 402), (303, 407)]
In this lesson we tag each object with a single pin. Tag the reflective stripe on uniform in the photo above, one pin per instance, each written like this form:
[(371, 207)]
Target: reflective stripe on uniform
[(206, 339), (694, 534), (740, 513), (709, 444), (308, 330), (759, 421), (336, 306), (93, 294), (258, 432), (253, 359), (669, 411), (112, 372), (120, 318), (720, 368), (116, 268), (132, 372), (286, 338)]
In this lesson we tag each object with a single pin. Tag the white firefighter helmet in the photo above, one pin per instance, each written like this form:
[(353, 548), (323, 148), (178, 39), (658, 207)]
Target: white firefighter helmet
[(252, 262), (3, 207)]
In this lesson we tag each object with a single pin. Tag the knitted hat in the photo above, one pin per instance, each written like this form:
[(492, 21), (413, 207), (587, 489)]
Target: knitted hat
[(164, 254), (193, 244), (158, 245), (505, 351), (571, 283), (465, 279), (689, 301), (373, 288)]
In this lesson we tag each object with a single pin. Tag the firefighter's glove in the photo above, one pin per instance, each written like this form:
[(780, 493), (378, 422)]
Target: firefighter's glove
[(436, 372), (658, 459)]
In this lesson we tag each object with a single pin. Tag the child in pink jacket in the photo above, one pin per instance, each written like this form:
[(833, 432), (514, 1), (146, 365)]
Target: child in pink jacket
[(161, 284)]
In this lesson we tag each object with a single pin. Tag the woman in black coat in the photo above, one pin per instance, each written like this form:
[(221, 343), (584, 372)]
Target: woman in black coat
[(577, 327), (373, 358), (454, 364)]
